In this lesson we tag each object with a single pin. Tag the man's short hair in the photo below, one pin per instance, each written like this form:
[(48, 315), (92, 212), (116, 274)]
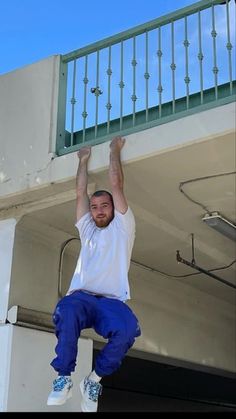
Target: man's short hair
[(103, 192)]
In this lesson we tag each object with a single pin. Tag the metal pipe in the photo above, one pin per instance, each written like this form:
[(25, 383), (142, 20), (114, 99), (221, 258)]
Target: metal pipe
[(204, 271)]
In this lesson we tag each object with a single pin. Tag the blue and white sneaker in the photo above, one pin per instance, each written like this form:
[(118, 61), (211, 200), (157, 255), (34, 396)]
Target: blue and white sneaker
[(90, 391), (62, 390)]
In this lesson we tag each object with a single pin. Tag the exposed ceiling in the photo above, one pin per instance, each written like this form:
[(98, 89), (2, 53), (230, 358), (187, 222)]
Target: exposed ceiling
[(166, 218)]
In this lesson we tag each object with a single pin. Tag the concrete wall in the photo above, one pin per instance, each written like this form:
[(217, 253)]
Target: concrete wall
[(183, 323), (7, 237), (26, 375), (28, 117), (34, 279)]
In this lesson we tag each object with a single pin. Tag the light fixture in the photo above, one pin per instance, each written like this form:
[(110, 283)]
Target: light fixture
[(220, 224)]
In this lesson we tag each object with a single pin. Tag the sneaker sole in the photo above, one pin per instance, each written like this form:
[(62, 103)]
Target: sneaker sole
[(84, 407), (60, 402)]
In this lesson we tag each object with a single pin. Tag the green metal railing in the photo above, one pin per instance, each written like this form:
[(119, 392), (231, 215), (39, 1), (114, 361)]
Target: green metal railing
[(178, 64)]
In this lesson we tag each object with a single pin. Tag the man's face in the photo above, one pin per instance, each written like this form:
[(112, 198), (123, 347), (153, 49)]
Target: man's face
[(102, 210)]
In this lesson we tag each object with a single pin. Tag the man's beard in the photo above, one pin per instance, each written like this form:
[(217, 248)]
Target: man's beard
[(103, 222)]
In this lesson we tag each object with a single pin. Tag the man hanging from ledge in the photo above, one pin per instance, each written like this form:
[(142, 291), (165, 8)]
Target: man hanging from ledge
[(99, 287)]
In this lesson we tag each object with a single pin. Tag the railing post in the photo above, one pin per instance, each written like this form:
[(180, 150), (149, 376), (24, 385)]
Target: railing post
[(61, 110)]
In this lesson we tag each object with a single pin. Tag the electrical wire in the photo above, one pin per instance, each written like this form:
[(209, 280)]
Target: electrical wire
[(63, 248), (197, 179), (149, 268)]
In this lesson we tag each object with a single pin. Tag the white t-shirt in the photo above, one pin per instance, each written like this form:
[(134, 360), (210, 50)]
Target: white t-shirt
[(105, 254)]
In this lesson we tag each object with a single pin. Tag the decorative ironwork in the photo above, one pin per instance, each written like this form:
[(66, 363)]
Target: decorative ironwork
[(200, 56), (213, 33), (215, 70), (96, 91)]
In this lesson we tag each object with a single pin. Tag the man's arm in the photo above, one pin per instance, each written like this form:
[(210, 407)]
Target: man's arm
[(116, 176), (82, 206)]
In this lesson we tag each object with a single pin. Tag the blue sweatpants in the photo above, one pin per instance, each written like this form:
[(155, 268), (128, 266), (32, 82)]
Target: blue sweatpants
[(109, 317)]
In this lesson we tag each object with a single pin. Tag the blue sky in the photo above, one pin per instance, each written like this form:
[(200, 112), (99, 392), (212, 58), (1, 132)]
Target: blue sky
[(31, 30)]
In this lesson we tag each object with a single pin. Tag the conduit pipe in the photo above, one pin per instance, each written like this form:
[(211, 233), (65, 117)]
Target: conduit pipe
[(204, 271)]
